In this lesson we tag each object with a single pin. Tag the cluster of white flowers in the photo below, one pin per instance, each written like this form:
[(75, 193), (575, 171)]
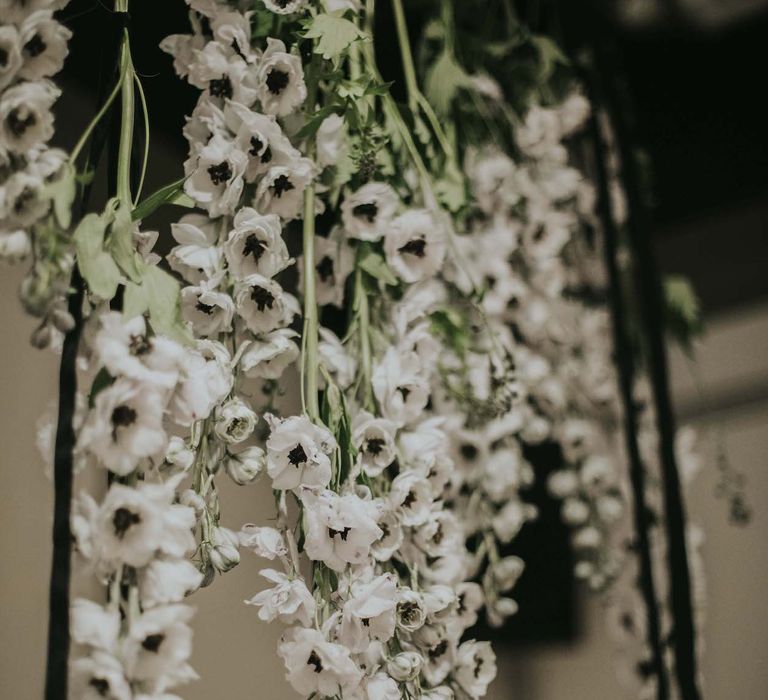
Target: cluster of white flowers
[(33, 46)]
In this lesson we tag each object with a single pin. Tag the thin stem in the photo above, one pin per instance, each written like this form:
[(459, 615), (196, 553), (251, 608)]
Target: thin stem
[(127, 108), (310, 357), (92, 125), (145, 155), (363, 317), (405, 52)]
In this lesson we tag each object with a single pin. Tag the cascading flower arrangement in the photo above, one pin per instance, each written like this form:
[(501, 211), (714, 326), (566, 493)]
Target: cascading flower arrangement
[(449, 313)]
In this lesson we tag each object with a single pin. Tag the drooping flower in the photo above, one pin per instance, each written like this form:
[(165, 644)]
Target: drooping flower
[(262, 304), (255, 245), (475, 668), (280, 80), (26, 119), (369, 613), (288, 600), (368, 212)]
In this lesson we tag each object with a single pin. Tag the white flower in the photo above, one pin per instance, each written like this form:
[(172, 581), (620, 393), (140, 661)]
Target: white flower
[(244, 467), (508, 521), (44, 45), (368, 212), (132, 524), (539, 135), (124, 426), (573, 112), (340, 529), (269, 356), (21, 200), (10, 49), (505, 473), (280, 80), (94, 625), (405, 666), (415, 245), (331, 140), (399, 386), (492, 175), (574, 511), (159, 644), (182, 47), (223, 74), (233, 30), (335, 358), (440, 535), (265, 542), (284, 7), (381, 687), (475, 668), (470, 599), (235, 421), (507, 571), (333, 263), (374, 439), (215, 176), (208, 311), (369, 613), (255, 246), (223, 552), (26, 119), (168, 581), (197, 257), (288, 601), (412, 494), (262, 304), (281, 190), (99, 676), (298, 453), (15, 246), (411, 613), (392, 536), (315, 665)]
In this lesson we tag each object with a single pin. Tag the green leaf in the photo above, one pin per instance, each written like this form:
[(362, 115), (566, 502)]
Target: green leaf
[(683, 309), (334, 34), (135, 301), (62, 193), (101, 381), (313, 123), (96, 265), (374, 264), (444, 80), (450, 189), (121, 243), (549, 55), (163, 296), (170, 194)]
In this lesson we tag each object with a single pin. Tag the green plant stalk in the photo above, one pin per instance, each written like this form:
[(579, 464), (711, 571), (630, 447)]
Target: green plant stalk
[(99, 116), (127, 109), (310, 357), (363, 318), (405, 52)]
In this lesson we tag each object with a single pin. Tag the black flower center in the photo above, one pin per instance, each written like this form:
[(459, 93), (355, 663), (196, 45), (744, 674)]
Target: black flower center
[(122, 417), (277, 80), (384, 530), (368, 211), (263, 298), (254, 246), (35, 46), (204, 308), (221, 87), (404, 392), (409, 500), (438, 650), (256, 146), (281, 185), (18, 123), (366, 621), (325, 268), (26, 196), (100, 685), (416, 247), (478, 665), (3, 57), (123, 520), (152, 642), (220, 173), (468, 451), (374, 446), (408, 611), (297, 456), (314, 660), (341, 533), (139, 345)]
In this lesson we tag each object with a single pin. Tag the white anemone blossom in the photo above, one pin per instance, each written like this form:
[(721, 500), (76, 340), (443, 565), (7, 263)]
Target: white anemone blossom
[(26, 119), (44, 45), (400, 387), (262, 304), (368, 212), (369, 613), (280, 80), (255, 245), (269, 356), (197, 257), (288, 600), (415, 245), (215, 176)]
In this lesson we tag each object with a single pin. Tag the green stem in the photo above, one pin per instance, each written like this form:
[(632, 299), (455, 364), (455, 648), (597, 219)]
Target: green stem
[(310, 357), (145, 155), (405, 51), (92, 125), (363, 316), (127, 108)]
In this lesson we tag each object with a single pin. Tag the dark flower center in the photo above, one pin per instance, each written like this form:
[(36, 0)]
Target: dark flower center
[(281, 185), (325, 268), (221, 87), (341, 533), (277, 80), (366, 621), (35, 46), (478, 665), (409, 500), (368, 211), (314, 660), (404, 392), (297, 456), (122, 417), (438, 650), (437, 538), (26, 196), (204, 308), (256, 145), (408, 611), (100, 685), (468, 451), (139, 345), (3, 58), (374, 446), (263, 298), (416, 247), (18, 124), (220, 173), (152, 642), (254, 246), (123, 520), (384, 530)]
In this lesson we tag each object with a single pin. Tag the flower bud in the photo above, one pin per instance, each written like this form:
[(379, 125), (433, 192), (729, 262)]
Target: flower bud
[(244, 467), (506, 572), (41, 337), (193, 500), (575, 512), (178, 454), (235, 421), (405, 666), (62, 320), (14, 247), (410, 612), (223, 552)]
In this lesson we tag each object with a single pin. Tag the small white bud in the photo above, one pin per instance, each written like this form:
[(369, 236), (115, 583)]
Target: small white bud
[(405, 666), (244, 467), (223, 552)]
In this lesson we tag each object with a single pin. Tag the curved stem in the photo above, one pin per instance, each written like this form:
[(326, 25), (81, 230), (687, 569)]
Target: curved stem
[(145, 155), (310, 358), (127, 108), (92, 125)]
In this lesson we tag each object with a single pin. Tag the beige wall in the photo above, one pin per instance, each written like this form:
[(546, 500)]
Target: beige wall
[(234, 652)]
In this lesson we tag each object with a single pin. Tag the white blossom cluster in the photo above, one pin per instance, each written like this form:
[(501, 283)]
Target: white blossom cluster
[(33, 46)]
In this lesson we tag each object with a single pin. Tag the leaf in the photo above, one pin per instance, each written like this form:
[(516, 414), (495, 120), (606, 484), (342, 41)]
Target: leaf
[(163, 296), (170, 194), (334, 34), (450, 189), (121, 243), (101, 381), (135, 301), (374, 264), (683, 309), (313, 123), (96, 265), (444, 80), (549, 54), (61, 192)]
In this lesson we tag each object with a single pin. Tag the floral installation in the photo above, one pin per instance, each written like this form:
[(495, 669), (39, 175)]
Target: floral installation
[(450, 312)]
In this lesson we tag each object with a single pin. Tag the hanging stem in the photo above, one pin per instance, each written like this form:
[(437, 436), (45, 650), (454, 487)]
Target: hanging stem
[(409, 69), (310, 357), (127, 108)]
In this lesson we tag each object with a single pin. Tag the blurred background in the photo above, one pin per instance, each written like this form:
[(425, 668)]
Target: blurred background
[(694, 69)]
